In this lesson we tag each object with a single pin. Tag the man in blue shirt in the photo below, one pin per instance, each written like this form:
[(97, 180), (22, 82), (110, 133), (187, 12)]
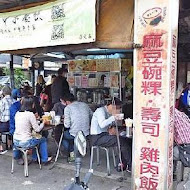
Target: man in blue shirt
[(13, 109)]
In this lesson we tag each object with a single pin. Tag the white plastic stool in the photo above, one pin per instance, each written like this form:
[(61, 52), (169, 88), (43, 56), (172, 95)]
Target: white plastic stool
[(25, 153), (98, 157)]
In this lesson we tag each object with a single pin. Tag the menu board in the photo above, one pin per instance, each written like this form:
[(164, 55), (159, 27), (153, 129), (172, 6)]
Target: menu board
[(82, 65), (114, 64), (103, 65), (75, 65), (126, 64), (99, 65)]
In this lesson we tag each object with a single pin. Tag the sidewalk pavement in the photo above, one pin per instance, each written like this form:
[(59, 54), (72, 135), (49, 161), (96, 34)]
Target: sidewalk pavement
[(59, 176)]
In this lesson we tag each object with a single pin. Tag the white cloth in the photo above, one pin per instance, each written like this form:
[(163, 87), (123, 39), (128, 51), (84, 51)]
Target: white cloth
[(77, 116), (101, 120), (24, 123)]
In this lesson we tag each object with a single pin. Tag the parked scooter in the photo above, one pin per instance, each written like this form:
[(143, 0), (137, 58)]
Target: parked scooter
[(80, 151)]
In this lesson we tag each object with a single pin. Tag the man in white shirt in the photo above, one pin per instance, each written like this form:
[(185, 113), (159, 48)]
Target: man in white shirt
[(102, 131)]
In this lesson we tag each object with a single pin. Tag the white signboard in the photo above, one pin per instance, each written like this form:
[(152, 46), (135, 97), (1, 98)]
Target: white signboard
[(156, 24), (57, 23)]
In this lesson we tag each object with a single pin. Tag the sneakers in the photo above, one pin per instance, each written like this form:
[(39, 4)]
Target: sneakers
[(20, 161), (3, 152), (71, 158), (128, 169), (120, 166), (48, 161)]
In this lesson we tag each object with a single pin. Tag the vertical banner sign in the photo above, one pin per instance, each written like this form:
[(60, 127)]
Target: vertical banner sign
[(156, 25)]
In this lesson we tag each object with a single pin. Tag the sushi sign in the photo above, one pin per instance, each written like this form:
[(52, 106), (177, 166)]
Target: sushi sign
[(156, 24)]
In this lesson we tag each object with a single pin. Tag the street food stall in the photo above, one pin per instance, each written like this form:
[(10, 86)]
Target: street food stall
[(95, 80), (85, 24)]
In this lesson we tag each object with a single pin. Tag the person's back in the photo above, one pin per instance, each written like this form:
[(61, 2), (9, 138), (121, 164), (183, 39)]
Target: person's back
[(60, 86), (77, 117), (181, 128), (24, 123)]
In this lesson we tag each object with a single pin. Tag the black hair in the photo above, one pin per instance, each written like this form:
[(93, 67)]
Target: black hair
[(68, 97), (27, 104), (114, 101), (53, 76), (61, 71)]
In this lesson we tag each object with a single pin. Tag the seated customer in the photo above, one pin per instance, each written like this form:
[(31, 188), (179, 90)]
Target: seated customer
[(59, 110), (5, 105), (102, 122), (25, 122), (13, 109), (77, 117), (181, 138)]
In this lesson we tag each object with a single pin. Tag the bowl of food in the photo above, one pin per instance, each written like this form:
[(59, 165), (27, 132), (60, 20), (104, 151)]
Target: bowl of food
[(46, 118), (119, 116)]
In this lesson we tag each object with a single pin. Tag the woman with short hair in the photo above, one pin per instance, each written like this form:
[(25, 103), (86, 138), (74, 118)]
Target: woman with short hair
[(25, 123)]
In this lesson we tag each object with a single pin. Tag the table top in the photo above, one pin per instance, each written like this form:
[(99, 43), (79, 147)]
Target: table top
[(50, 126)]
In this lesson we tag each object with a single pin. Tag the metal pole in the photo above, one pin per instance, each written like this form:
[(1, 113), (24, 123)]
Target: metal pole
[(12, 73), (33, 74)]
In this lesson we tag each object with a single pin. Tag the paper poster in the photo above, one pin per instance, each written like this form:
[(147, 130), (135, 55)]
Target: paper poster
[(84, 81), (114, 80), (78, 81)]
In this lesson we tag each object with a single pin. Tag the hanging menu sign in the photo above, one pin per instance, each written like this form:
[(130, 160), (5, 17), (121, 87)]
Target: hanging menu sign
[(57, 23)]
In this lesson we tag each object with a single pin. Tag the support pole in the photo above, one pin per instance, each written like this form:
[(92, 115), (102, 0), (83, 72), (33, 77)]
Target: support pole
[(155, 65), (12, 73), (33, 74)]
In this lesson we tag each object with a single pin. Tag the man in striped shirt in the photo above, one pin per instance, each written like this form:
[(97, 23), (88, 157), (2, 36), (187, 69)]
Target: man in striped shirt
[(181, 135)]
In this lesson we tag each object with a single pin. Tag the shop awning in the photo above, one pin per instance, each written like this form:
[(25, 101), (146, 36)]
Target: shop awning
[(114, 29)]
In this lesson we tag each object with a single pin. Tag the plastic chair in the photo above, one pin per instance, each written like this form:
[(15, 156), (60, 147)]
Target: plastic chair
[(25, 153), (98, 157)]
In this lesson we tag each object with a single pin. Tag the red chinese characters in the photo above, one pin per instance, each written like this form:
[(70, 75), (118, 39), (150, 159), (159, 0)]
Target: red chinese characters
[(150, 154), (149, 158), (152, 64), (150, 116), (149, 183)]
